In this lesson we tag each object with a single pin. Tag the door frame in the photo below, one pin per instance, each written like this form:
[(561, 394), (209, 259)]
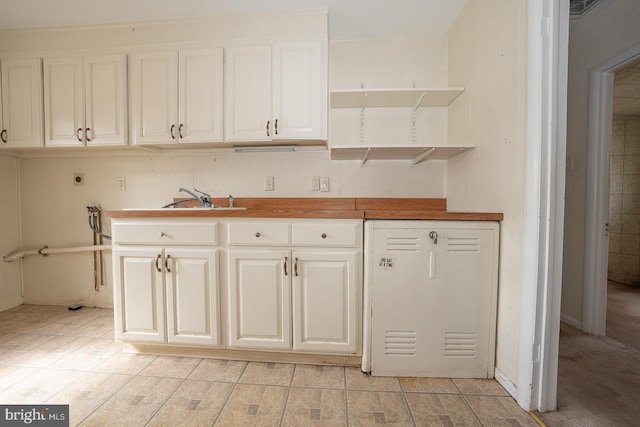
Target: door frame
[(594, 300)]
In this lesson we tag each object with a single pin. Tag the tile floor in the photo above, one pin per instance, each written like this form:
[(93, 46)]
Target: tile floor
[(49, 354)]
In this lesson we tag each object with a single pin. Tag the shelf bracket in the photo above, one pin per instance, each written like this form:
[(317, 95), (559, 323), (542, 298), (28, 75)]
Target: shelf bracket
[(422, 156), (364, 105), (365, 157), (413, 117)]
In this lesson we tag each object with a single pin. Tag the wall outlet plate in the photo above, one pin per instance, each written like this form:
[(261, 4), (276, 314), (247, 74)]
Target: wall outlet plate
[(315, 183), (324, 183)]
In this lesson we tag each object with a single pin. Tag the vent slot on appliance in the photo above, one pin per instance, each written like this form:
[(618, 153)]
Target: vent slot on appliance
[(402, 244), (463, 244), (400, 343), (460, 344)]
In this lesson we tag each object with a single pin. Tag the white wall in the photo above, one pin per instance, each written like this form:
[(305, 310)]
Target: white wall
[(487, 56), (10, 282), (54, 210), (609, 30)]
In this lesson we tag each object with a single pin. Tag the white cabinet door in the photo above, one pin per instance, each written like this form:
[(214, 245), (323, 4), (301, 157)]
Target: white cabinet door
[(192, 296), (139, 294), (299, 91), (21, 110), (325, 301), (105, 105), (154, 97), (200, 94), (248, 94), (85, 101), (259, 299)]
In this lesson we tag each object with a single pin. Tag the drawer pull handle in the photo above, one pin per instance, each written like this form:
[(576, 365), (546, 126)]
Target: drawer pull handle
[(324, 235), (295, 267), (158, 263), (161, 234), (258, 234), (286, 260), (166, 263)]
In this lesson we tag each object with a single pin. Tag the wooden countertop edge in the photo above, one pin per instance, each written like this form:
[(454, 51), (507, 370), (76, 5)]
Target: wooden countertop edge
[(320, 214)]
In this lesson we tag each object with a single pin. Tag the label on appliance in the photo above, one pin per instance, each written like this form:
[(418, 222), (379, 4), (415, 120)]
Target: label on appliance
[(387, 262)]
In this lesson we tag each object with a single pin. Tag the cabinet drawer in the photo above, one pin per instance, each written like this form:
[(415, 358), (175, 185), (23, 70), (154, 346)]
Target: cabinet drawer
[(166, 233), (260, 233), (325, 234)]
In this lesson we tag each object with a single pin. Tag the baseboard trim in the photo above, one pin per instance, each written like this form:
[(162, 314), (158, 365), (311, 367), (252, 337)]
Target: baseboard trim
[(505, 382), (571, 321), (11, 303)]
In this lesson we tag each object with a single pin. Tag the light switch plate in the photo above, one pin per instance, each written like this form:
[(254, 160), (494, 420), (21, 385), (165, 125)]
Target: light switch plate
[(324, 183), (268, 183), (315, 183)]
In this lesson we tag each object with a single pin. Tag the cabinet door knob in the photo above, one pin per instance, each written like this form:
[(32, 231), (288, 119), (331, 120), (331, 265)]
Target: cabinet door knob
[(161, 234), (258, 234), (324, 235)]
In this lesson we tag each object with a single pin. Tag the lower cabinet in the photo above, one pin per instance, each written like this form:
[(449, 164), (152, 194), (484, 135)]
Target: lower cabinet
[(293, 300), (177, 284)]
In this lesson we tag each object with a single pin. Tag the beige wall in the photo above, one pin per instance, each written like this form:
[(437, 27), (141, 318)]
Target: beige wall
[(10, 282), (611, 29), (487, 56)]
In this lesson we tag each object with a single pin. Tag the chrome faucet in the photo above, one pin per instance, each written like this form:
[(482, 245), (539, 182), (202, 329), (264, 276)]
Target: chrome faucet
[(230, 200), (203, 198)]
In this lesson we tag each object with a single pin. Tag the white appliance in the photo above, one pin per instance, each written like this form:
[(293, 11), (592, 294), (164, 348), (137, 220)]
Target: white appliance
[(430, 298)]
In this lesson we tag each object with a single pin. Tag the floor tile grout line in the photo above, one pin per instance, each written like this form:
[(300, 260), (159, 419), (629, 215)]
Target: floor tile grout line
[(226, 401), (286, 398), (346, 399), (466, 402), (408, 407), (165, 401)]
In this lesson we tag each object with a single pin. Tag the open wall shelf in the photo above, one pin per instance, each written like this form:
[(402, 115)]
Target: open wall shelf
[(414, 154), (416, 97)]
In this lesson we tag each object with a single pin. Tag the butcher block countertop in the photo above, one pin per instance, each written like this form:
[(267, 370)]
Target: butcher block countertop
[(338, 208)]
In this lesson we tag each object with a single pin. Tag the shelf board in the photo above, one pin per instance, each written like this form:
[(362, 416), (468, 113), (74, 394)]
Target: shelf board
[(416, 154), (362, 98)]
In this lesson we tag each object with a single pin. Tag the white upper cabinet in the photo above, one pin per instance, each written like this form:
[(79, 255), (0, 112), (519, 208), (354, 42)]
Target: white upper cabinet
[(176, 96), (276, 92), (21, 107), (85, 101)]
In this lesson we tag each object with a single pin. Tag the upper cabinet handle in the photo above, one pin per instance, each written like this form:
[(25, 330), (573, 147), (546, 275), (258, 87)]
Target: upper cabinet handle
[(180, 131), (166, 263), (295, 267), (286, 260), (276, 126), (268, 123), (157, 263), (3, 135), (86, 133), (78, 134), (171, 131)]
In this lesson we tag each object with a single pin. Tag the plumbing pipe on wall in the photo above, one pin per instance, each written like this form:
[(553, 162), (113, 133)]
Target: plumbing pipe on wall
[(46, 251)]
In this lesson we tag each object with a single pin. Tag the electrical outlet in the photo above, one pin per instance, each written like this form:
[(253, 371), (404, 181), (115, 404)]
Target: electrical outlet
[(268, 183), (78, 179), (324, 183), (122, 183), (315, 183)]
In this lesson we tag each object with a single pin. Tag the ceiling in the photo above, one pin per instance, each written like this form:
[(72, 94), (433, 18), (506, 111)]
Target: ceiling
[(347, 18), (626, 91)]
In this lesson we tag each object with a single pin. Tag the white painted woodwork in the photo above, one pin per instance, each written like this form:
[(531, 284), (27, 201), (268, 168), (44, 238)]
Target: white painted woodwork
[(177, 96), (154, 232), (105, 100), (85, 101), (21, 106), (434, 297), (200, 95), (325, 301), (192, 296), (275, 92), (260, 233), (248, 114), (326, 234), (139, 294), (299, 91), (259, 299), (154, 97)]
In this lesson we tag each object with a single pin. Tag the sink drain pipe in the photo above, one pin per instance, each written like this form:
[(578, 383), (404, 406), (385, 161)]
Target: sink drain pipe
[(44, 251)]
